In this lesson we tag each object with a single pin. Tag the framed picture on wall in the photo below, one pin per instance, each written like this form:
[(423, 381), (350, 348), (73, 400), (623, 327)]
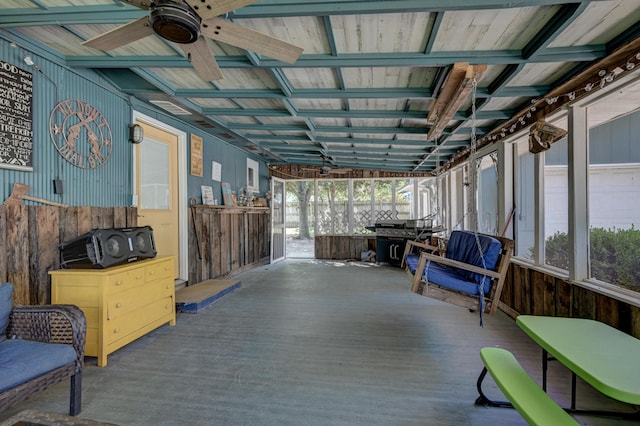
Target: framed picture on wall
[(196, 155), (216, 171), (207, 195), (252, 176)]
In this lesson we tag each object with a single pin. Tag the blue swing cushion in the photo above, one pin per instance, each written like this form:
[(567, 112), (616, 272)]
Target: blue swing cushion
[(462, 246)]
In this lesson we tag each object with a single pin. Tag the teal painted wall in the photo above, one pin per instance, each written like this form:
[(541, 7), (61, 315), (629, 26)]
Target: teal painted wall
[(233, 160), (110, 184)]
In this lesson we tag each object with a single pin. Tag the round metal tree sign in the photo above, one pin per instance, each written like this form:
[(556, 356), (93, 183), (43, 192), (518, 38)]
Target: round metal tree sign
[(80, 133)]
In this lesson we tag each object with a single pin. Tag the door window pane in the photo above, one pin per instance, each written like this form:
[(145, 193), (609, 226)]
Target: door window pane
[(154, 175)]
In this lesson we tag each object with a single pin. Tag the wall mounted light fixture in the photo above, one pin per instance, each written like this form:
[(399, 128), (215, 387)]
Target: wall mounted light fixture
[(136, 133)]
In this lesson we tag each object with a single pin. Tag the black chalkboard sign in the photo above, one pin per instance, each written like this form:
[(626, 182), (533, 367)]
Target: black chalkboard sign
[(16, 117)]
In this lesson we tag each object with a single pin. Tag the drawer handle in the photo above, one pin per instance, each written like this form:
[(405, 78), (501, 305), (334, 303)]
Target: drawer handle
[(152, 272), (118, 305), (138, 277), (116, 330), (119, 283)]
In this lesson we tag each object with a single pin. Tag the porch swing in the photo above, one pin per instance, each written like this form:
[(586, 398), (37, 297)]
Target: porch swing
[(471, 270)]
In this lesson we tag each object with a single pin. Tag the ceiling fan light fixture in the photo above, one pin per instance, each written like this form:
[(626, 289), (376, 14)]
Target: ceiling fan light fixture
[(176, 22)]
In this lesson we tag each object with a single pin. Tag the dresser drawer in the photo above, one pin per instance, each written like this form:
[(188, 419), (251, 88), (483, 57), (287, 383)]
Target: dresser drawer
[(159, 270), (128, 323), (125, 280), (133, 298)]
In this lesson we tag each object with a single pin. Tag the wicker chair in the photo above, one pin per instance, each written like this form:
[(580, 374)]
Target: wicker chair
[(49, 324)]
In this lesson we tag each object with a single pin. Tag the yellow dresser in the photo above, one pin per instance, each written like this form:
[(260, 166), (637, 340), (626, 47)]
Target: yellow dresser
[(121, 303)]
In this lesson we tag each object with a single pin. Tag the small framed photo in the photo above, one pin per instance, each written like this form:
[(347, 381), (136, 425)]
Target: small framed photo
[(207, 195)]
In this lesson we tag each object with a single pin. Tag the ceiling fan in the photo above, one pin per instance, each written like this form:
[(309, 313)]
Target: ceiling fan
[(187, 22), (327, 170)]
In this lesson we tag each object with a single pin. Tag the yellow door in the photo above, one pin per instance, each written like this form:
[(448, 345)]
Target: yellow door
[(157, 189)]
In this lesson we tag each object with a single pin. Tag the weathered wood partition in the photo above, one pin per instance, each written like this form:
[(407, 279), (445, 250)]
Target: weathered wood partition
[(227, 240), (30, 236), (342, 246), (528, 291)]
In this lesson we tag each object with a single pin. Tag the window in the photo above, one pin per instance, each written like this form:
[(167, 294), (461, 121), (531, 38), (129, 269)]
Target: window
[(556, 205), (362, 206), (525, 201), (614, 194), (487, 194), (332, 206)]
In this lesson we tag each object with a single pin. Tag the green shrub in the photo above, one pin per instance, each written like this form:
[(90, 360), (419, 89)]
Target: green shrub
[(615, 255)]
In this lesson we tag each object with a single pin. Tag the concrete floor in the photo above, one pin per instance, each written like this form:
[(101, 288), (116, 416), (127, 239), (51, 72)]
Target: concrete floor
[(308, 342)]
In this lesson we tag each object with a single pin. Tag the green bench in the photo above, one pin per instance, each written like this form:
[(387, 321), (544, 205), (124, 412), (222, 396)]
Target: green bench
[(533, 404)]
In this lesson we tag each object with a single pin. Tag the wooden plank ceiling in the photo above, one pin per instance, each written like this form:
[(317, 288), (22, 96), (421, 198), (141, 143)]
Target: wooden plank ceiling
[(384, 85)]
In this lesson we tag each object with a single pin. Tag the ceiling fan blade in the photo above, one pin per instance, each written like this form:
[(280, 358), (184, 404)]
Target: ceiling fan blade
[(211, 8), (246, 38), (202, 59), (142, 4), (134, 30)]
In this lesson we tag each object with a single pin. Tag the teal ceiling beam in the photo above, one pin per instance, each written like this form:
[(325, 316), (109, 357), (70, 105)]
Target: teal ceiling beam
[(564, 17), (69, 15), (388, 93), (346, 150), (331, 113), (397, 59), (343, 140), (437, 21), (116, 13), (282, 8), (326, 129)]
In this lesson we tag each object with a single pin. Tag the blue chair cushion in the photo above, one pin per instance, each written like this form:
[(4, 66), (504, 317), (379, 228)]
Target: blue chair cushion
[(444, 276), (463, 246), (24, 360), (6, 304)]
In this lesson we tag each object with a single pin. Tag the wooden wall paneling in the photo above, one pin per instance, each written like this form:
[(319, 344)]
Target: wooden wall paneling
[(84, 220), (583, 303), (538, 289), (521, 290), (101, 218), (318, 243), (132, 216), (69, 224), (225, 241), (44, 233), (193, 247), (607, 310), (216, 236), (563, 298), (206, 230), (18, 252), (334, 248), (3, 243), (550, 294), (247, 239), (506, 296), (265, 235), (120, 217), (237, 240), (634, 321)]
